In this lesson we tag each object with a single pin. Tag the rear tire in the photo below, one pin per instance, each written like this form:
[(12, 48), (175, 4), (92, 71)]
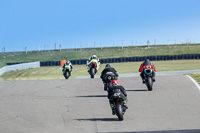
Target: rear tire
[(92, 72), (67, 75), (149, 84), (119, 112)]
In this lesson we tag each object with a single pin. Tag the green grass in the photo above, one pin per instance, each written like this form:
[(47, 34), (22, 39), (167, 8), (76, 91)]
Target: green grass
[(196, 76), (107, 52), (44, 73)]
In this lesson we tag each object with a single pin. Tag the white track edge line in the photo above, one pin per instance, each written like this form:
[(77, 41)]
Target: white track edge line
[(195, 82)]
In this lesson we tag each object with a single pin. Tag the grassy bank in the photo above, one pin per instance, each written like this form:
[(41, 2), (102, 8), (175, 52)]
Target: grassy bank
[(107, 52), (44, 73), (196, 76)]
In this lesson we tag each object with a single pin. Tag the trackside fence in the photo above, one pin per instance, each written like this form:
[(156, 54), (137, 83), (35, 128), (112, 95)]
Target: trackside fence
[(125, 59), (21, 66)]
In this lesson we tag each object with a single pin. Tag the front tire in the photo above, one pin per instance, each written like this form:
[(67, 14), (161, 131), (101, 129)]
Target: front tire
[(119, 112)]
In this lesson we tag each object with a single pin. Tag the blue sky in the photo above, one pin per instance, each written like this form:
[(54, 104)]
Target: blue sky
[(89, 23)]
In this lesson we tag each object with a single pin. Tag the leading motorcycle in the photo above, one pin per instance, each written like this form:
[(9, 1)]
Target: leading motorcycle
[(67, 71)]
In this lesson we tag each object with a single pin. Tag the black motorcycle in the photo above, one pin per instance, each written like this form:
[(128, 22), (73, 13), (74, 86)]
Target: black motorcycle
[(109, 76), (119, 107), (148, 78)]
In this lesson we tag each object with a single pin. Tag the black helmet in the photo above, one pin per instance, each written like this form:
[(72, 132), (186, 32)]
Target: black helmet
[(146, 60), (107, 65)]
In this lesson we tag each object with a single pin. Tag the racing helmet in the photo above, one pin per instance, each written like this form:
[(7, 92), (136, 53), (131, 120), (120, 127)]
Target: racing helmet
[(107, 65), (67, 61), (114, 82), (146, 60), (94, 56)]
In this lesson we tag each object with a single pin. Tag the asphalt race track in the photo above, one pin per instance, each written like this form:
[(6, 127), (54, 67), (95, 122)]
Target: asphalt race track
[(81, 106)]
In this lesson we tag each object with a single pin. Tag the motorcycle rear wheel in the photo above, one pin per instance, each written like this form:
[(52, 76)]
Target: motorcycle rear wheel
[(149, 84), (119, 112), (92, 72), (67, 75)]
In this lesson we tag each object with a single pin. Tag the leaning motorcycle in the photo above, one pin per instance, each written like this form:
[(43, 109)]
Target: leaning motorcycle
[(67, 71), (93, 68), (119, 105), (148, 78)]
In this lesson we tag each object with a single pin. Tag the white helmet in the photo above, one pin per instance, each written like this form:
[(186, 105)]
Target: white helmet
[(94, 56)]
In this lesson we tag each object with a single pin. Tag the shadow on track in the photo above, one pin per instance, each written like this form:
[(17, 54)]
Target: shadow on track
[(93, 96), (164, 131), (98, 119), (137, 90)]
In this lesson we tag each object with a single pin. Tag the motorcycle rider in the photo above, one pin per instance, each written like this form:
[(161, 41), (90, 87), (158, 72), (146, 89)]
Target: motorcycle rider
[(107, 68), (120, 89), (145, 64), (68, 63), (94, 57)]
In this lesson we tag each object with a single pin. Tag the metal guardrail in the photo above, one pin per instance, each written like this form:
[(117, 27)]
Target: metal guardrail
[(18, 66)]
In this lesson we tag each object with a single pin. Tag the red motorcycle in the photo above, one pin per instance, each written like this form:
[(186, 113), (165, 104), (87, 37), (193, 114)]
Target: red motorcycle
[(93, 69)]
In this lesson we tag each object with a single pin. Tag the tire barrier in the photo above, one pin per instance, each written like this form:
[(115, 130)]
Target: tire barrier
[(123, 59), (50, 63)]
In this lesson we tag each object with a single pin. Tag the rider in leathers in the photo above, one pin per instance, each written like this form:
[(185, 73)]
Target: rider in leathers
[(120, 89), (71, 67), (90, 59), (141, 69), (107, 68)]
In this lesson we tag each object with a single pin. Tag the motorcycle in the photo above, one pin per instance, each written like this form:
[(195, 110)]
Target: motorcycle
[(109, 76), (93, 68), (119, 107), (67, 71), (148, 78)]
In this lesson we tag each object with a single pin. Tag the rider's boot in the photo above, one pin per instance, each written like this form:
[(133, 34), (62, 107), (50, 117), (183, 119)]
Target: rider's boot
[(125, 104), (153, 79), (105, 87), (112, 107), (88, 68), (70, 73), (143, 81)]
